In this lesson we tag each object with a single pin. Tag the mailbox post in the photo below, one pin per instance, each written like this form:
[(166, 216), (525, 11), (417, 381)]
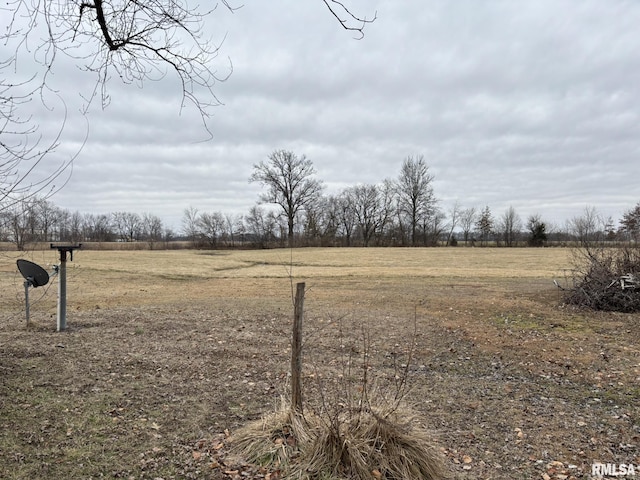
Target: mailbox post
[(62, 281)]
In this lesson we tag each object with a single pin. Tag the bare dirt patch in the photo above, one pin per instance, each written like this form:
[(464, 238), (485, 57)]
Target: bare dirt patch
[(167, 351)]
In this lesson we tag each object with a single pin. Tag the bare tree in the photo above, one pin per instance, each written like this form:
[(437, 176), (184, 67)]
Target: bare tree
[(152, 228), (365, 200), (211, 227), (98, 228), (433, 228), (467, 221), (48, 215), (261, 225), (510, 225), (388, 191), (233, 227), (321, 221), (167, 236), (290, 184), (588, 227), (19, 220), (128, 225), (371, 206), (61, 227), (74, 228), (416, 200), (454, 219), (346, 216), (4, 227), (190, 225)]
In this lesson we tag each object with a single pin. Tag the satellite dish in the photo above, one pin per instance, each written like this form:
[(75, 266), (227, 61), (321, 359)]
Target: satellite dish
[(33, 273)]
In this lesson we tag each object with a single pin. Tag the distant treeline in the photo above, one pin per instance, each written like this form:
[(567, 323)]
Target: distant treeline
[(400, 212), (39, 221)]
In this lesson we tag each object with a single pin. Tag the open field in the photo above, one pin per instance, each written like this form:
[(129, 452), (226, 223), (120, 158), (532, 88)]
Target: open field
[(167, 350)]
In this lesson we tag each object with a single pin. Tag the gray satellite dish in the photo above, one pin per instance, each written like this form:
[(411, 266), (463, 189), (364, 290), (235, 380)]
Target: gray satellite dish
[(34, 276), (33, 273)]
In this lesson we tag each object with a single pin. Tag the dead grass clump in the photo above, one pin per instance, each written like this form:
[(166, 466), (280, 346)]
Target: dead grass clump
[(358, 444), (275, 440), (386, 444)]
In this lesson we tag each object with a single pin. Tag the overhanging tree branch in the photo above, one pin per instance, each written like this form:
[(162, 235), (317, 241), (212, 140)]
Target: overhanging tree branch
[(335, 7), (134, 40)]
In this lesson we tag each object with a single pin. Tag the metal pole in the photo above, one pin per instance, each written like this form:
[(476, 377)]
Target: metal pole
[(26, 299), (62, 292)]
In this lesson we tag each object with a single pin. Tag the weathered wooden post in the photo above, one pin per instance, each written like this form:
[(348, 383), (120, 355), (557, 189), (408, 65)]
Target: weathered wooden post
[(62, 282), (296, 350)]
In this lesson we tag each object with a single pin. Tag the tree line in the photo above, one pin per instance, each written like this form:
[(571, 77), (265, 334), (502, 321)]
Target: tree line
[(294, 211)]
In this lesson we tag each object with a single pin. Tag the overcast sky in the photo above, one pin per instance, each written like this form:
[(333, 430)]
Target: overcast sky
[(533, 104)]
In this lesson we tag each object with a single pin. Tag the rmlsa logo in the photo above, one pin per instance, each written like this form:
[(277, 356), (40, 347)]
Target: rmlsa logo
[(600, 470)]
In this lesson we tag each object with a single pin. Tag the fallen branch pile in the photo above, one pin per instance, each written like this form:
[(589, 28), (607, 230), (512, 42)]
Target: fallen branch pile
[(607, 279)]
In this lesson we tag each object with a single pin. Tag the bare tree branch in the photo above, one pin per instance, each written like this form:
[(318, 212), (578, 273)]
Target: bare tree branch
[(134, 40), (336, 8), (22, 150)]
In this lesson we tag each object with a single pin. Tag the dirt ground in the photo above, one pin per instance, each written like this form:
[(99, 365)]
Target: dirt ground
[(156, 370)]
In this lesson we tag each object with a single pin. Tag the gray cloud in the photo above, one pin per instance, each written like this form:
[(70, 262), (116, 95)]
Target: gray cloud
[(530, 104)]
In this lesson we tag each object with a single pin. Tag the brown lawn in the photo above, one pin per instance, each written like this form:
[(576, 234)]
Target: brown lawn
[(167, 352)]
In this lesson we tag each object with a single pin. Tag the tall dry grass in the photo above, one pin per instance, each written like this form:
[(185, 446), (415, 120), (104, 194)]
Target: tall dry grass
[(373, 442)]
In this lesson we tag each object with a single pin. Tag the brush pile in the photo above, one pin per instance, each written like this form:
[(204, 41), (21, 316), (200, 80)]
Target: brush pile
[(607, 279)]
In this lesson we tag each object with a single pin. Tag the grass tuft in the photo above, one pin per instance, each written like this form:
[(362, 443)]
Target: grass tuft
[(273, 441), (359, 444)]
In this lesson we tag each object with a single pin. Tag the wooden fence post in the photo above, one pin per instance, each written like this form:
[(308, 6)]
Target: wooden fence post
[(296, 350)]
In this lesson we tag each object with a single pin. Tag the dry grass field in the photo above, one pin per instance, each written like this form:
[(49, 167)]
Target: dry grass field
[(168, 352)]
